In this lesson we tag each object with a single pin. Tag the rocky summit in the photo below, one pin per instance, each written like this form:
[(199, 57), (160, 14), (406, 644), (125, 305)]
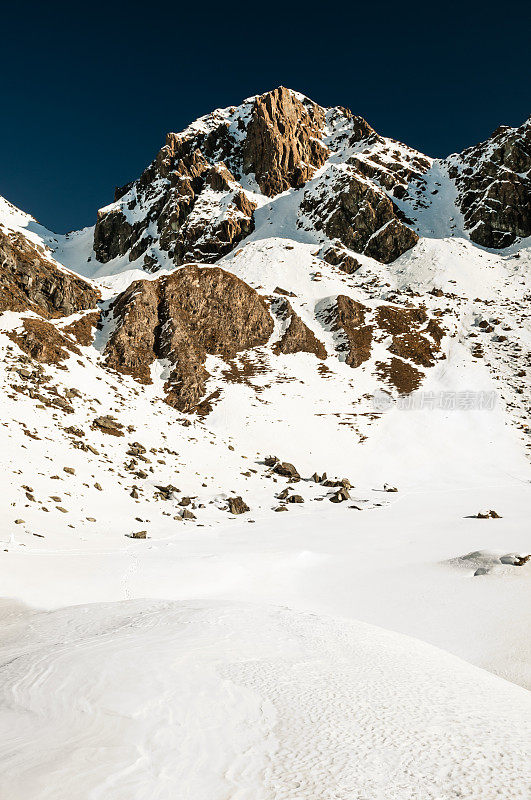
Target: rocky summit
[(280, 277)]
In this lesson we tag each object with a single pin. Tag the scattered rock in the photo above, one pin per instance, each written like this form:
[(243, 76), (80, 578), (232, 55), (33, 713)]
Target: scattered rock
[(515, 559), (73, 431), (340, 496), (295, 498), (237, 506), (287, 470), (168, 492), (137, 535), (108, 424)]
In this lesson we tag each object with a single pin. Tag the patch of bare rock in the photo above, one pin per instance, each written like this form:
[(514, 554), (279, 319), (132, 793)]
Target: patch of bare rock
[(182, 317), (30, 281)]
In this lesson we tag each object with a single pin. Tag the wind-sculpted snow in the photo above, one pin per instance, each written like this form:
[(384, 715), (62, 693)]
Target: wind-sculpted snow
[(192, 700)]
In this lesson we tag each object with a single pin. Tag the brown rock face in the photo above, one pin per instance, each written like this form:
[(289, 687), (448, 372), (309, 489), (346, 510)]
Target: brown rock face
[(219, 178), (297, 338), (29, 281), (415, 337), (361, 216), (188, 204), (494, 186), (193, 312), (132, 347), (42, 341), (403, 376), (83, 329), (281, 145), (192, 225), (350, 319)]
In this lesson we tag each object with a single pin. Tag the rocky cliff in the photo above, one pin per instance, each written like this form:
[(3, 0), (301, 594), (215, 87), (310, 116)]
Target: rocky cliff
[(493, 180), (196, 201)]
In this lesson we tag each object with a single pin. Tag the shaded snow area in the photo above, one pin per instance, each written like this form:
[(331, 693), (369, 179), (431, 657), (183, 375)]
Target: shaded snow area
[(156, 646)]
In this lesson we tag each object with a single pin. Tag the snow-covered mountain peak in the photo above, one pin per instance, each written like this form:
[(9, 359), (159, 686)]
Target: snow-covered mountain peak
[(277, 267)]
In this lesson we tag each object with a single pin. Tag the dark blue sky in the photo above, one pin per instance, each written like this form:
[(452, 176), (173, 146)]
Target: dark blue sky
[(90, 89)]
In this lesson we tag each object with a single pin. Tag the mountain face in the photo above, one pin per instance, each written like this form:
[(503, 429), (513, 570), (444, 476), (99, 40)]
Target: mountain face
[(273, 269), (493, 180), (197, 200), (265, 483)]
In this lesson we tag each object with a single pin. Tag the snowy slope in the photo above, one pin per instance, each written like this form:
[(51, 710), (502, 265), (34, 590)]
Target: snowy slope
[(285, 655), (196, 700)]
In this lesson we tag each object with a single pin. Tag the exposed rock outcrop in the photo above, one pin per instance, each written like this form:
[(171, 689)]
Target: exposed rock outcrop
[(82, 329), (190, 203), (193, 312), (297, 337), (347, 316), (30, 281), (198, 212), (282, 145), (415, 337), (42, 341), (494, 186), (114, 235), (337, 256), (409, 333), (404, 377), (360, 215)]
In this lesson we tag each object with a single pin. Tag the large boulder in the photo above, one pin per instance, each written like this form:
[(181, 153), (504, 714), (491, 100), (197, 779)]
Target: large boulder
[(182, 318)]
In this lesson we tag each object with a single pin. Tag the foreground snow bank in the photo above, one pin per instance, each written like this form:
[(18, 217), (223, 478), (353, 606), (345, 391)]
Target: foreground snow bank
[(151, 699)]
